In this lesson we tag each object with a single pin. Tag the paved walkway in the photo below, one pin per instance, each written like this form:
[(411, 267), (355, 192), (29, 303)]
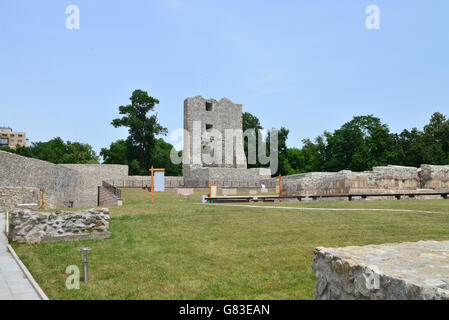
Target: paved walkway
[(13, 283)]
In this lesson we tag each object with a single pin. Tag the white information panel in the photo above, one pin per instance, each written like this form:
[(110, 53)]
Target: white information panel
[(159, 183)]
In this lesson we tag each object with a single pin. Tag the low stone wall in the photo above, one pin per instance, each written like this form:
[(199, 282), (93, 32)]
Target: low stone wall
[(228, 177), (226, 192), (394, 177), (178, 182), (380, 179), (183, 191), (141, 181), (434, 177), (60, 183), (65, 185), (11, 196), (31, 227), (91, 176), (401, 271)]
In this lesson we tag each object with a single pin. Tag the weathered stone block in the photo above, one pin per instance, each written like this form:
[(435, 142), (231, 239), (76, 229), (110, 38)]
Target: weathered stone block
[(411, 270), (30, 227)]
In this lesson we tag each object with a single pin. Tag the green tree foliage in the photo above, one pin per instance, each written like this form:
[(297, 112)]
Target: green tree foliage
[(116, 154), (57, 151), (284, 167), (142, 149), (142, 129), (162, 158), (361, 144), (309, 158), (251, 122), (365, 142), (121, 152)]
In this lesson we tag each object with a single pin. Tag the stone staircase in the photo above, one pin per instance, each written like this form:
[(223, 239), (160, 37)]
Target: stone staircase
[(109, 195)]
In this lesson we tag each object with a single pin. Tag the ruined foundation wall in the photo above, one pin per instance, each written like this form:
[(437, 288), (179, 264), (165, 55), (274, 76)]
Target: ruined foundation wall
[(91, 177), (11, 196), (229, 178), (141, 181), (402, 271), (434, 177), (65, 185), (60, 183), (386, 179)]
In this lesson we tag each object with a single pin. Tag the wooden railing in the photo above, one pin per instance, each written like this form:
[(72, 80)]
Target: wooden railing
[(114, 190)]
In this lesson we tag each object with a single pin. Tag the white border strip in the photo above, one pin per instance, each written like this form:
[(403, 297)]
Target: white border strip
[(30, 278)]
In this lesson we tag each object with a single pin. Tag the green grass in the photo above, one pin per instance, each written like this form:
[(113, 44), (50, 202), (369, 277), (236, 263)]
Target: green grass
[(176, 249)]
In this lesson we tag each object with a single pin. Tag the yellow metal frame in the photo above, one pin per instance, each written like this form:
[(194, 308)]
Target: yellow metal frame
[(42, 198), (279, 177)]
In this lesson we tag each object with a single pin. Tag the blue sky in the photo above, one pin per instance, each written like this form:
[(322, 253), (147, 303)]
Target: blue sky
[(307, 65)]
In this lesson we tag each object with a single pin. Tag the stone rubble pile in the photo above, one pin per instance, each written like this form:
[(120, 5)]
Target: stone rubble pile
[(26, 226)]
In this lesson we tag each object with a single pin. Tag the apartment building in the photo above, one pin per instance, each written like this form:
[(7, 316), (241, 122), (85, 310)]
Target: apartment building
[(12, 139)]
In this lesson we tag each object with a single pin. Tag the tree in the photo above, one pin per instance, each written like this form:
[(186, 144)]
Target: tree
[(284, 167), (438, 130), (421, 148), (309, 158), (251, 122), (359, 145), (142, 129), (79, 153), (162, 158), (120, 152), (116, 154), (57, 151)]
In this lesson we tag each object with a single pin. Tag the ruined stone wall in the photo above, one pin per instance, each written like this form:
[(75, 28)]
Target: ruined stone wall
[(385, 179), (60, 183), (229, 178), (200, 178), (207, 121), (91, 177), (402, 271), (140, 181), (11, 196), (394, 177), (26, 226), (65, 185), (434, 177), (311, 183), (217, 115)]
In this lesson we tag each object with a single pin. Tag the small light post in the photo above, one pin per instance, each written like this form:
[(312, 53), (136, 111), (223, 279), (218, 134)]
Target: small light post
[(85, 261)]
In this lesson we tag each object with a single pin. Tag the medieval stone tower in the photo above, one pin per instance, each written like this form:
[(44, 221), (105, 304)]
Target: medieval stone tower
[(213, 116), (207, 120)]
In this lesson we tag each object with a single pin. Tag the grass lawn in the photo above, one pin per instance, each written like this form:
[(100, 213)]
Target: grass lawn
[(176, 249)]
